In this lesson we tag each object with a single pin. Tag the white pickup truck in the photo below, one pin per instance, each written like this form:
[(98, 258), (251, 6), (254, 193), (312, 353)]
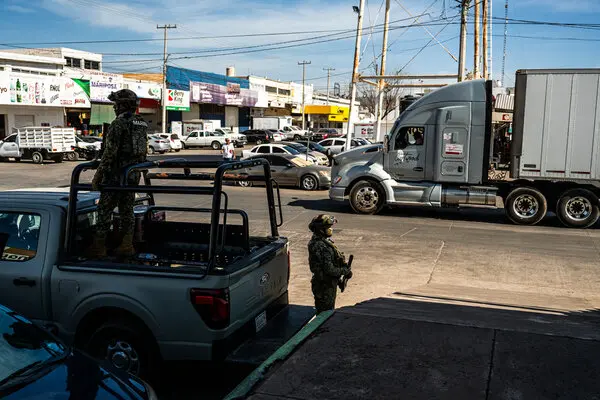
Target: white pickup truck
[(194, 292), (38, 143)]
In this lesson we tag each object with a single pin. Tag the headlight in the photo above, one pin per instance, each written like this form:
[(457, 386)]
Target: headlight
[(325, 174)]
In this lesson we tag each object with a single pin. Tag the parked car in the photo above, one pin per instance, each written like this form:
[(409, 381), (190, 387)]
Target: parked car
[(325, 133), (321, 159), (173, 139), (292, 170), (259, 136), (37, 365), (275, 149), (315, 146), (156, 144), (84, 149), (238, 139), (338, 145), (203, 139), (278, 134)]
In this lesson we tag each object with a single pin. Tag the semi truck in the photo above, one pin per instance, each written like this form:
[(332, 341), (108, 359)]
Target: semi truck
[(440, 151), (271, 122)]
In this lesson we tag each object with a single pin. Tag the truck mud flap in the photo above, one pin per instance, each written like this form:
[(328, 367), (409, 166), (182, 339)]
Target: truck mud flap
[(281, 328)]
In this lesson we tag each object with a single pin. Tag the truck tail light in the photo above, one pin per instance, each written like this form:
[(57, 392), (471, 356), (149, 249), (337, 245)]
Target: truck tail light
[(212, 305)]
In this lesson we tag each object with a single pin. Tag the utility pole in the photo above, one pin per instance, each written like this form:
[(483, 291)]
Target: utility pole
[(490, 28), (358, 10), (484, 57), (304, 64), (328, 77), (164, 91), (476, 33), (381, 83), (462, 57)]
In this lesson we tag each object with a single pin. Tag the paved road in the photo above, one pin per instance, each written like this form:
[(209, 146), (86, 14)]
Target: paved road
[(412, 251)]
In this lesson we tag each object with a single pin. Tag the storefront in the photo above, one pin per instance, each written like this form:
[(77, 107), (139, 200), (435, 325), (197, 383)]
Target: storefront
[(76, 100), (322, 116)]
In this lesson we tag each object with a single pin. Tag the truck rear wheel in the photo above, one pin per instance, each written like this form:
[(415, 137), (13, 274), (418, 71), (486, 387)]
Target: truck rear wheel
[(578, 208), (126, 346), (297, 137), (37, 157), (526, 206), (216, 145), (72, 156), (367, 197)]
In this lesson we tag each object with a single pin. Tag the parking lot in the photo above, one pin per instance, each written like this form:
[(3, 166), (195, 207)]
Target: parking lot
[(455, 254)]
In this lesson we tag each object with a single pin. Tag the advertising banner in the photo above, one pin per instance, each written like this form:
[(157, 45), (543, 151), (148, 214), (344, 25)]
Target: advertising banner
[(75, 93), (36, 90), (178, 100), (144, 90), (230, 95), (102, 84)]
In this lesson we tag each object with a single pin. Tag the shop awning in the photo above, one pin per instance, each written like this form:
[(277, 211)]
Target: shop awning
[(102, 114), (148, 106)]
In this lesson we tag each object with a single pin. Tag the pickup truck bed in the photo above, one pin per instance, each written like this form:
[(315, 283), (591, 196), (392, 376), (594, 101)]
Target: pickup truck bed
[(425, 347)]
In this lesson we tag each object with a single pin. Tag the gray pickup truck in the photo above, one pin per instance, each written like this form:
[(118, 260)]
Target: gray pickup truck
[(195, 292)]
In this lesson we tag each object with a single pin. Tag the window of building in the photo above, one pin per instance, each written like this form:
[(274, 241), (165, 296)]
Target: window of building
[(284, 92), (73, 62), (91, 64), (21, 232), (271, 89)]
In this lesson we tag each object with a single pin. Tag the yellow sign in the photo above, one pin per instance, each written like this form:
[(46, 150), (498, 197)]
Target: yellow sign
[(338, 118), (326, 110)]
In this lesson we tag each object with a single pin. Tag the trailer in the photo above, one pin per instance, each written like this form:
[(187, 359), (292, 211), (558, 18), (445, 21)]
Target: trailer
[(277, 123), (440, 152), (38, 143)]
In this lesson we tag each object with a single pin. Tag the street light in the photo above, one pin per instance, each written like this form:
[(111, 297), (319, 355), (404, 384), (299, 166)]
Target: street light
[(356, 9)]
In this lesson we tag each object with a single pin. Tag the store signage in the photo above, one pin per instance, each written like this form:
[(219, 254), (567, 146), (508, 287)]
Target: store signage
[(35, 90), (230, 95), (102, 84), (75, 93), (178, 100), (144, 90), (502, 117)]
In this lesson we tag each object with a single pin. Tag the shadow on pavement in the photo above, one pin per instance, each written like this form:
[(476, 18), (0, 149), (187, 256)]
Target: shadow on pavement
[(451, 214), (400, 348)]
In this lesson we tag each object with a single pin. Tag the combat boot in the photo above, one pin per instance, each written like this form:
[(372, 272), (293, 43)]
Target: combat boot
[(98, 248), (125, 249)]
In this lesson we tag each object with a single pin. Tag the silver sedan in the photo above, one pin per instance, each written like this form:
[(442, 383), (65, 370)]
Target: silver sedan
[(291, 170)]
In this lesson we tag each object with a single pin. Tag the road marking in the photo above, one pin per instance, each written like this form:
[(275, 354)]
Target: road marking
[(406, 233), (439, 253)]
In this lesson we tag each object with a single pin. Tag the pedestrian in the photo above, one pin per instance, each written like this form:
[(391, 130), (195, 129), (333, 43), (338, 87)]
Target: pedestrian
[(327, 264), (228, 151), (125, 143)]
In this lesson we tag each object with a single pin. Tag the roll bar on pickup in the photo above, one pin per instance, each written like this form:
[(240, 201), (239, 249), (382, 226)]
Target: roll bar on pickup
[(216, 191)]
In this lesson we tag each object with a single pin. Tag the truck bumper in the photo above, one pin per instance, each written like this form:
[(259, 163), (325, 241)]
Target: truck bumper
[(337, 193)]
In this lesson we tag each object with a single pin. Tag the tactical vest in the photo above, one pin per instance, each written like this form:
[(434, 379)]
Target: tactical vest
[(135, 149)]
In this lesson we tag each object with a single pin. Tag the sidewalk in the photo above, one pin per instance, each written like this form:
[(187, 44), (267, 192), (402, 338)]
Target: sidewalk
[(412, 346)]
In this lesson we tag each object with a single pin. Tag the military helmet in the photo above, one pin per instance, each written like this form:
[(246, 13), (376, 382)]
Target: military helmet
[(124, 96), (322, 223)]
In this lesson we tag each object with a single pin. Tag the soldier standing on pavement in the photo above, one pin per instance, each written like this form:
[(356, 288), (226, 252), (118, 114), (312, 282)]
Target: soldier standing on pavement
[(125, 143), (326, 262)]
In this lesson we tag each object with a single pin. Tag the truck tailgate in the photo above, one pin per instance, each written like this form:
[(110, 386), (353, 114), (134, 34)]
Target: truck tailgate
[(254, 288)]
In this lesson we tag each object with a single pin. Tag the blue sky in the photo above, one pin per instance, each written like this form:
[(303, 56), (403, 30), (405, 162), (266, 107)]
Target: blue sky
[(79, 20)]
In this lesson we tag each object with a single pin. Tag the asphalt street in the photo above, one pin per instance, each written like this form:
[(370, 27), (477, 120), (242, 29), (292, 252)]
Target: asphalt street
[(456, 254)]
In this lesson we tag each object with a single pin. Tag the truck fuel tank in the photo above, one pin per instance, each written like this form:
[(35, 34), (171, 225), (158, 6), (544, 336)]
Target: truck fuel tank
[(469, 195)]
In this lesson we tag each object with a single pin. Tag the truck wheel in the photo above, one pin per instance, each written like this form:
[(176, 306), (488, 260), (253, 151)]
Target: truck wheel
[(367, 197), (297, 137), (578, 208), (526, 206), (309, 182), (258, 141), (215, 145), (126, 346), (37, 157), (72, 156)]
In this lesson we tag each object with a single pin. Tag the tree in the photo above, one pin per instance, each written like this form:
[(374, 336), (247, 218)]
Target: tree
[(368, 97)]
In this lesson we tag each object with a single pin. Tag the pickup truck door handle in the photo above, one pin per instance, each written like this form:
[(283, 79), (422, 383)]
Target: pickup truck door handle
[(418, 169), (24, 282)]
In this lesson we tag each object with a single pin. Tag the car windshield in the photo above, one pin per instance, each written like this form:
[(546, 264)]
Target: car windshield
[(300, 147), (215, 134), (227, 131), (23, 344), (291, 150), (317, 147), (299, 162), (294, 128), (174, 137)]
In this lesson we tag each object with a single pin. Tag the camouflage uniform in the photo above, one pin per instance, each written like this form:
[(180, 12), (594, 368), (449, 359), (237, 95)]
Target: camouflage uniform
[(118, 153), (125, 143), (327, 264)]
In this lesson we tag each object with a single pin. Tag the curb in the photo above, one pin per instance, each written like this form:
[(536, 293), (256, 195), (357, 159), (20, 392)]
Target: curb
[(243, 389)]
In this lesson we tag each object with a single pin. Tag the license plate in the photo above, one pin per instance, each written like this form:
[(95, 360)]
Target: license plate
[(260, 321)]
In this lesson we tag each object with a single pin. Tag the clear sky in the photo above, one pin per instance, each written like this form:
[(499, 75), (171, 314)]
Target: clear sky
[(529, 46)]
